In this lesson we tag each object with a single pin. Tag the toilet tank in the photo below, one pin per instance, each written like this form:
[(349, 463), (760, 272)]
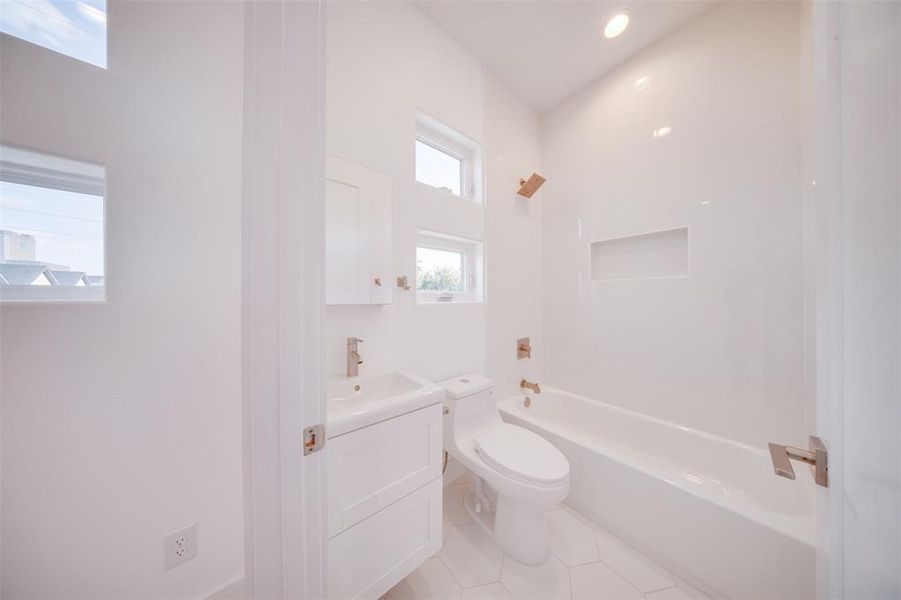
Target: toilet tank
[(471, 405)]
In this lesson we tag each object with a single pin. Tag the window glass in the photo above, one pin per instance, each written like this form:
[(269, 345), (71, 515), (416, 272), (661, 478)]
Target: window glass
[(51, 227), (439, 270), (76, 28), (448, 268), (438, 169)]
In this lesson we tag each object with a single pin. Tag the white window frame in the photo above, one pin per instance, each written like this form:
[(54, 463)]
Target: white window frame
[(445, 139), (53, 172), (472, 266)]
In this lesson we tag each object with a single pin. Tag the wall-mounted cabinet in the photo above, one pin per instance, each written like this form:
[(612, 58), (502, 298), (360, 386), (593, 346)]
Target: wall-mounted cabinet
[(357, 234)]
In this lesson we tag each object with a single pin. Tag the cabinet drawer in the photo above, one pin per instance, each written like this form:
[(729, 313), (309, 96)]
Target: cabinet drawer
[(368, 559), (372, 467)]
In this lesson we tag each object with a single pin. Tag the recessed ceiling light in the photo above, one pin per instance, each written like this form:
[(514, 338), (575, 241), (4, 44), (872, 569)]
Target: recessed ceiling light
[(662, 132), (616, 25)]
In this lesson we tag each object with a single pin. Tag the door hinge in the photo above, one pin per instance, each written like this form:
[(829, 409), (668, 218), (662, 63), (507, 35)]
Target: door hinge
[(313, 439)]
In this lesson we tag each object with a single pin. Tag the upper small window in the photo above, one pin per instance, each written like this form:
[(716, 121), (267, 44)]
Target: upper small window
[(438, 168), (447, 160), (51, 228), (76, 28)]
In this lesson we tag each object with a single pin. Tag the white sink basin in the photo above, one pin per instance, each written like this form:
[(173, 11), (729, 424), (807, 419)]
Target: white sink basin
[(355, 402)]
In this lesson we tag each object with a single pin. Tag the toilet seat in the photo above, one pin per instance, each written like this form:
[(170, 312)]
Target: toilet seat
[(521, 454)]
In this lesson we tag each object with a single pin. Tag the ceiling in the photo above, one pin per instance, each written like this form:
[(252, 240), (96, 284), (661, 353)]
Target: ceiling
[(547, 50)]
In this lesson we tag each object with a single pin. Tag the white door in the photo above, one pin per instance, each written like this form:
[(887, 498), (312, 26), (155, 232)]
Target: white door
[(857, 66), (283, 249)]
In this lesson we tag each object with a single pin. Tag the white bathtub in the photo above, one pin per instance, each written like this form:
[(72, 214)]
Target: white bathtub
[(708, 508)]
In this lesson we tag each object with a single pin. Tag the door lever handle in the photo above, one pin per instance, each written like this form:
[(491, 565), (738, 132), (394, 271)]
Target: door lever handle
[(816, 456)]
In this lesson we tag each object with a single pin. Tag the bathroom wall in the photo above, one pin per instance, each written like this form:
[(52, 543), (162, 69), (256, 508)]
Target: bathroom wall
[(386, 61), (514, 245), (700, 130), (121, 421)]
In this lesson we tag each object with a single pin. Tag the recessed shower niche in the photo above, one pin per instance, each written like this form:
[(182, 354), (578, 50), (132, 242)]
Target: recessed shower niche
[(653, 255)]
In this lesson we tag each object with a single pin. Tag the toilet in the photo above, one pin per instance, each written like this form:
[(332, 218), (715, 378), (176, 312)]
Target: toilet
[(518, 475)]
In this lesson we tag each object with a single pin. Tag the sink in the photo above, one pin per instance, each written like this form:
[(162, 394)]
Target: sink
[(355, 402)]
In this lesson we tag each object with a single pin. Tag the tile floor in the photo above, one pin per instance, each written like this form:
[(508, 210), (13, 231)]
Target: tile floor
[(586, 563)]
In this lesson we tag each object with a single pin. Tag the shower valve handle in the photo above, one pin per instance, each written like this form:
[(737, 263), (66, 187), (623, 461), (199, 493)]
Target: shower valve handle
[(816, 456)]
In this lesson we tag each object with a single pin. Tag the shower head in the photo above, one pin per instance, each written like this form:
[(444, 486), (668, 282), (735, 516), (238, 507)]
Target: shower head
[(528, 187)]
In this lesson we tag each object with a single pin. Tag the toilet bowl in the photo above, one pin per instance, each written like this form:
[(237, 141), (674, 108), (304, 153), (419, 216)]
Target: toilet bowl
[(518, 475)]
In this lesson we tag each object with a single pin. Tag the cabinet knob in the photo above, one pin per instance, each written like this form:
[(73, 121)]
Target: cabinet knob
[(377, 281)]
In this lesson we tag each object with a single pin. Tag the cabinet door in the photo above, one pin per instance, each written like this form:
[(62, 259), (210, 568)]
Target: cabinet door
[(372, 467), (357, 234), (373, 556)]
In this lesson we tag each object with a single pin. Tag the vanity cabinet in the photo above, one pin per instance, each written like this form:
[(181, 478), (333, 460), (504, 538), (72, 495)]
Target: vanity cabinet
[(357, 234), (384, 502)]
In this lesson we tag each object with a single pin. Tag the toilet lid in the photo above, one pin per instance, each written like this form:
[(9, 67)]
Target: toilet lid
[(521, 454)]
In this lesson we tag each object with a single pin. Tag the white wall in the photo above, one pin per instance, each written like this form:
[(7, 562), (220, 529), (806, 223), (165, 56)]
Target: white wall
[(514, 239), (387, 60), (720, 350), (122, 421)]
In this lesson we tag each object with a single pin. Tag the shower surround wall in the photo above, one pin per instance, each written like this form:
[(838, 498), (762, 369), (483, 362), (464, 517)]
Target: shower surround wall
[(720, 349), (386, 61)]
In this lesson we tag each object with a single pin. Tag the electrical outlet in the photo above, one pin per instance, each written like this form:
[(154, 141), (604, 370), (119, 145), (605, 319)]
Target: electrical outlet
[(180, 546)]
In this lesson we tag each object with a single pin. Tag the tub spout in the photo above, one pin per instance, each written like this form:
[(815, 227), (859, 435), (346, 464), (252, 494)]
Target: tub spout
[(529, 385)]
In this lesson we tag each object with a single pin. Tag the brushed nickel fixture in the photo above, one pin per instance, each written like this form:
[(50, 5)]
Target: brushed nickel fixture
[(402, 283), (354, 360), (529, 385), (816, 456), (528, 187), (523, 348)]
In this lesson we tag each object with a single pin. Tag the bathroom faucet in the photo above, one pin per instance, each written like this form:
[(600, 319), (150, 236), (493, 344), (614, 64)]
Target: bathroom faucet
[(528, 385), (354, 360)]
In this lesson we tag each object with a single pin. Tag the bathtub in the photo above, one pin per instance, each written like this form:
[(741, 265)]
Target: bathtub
[(708, 508)]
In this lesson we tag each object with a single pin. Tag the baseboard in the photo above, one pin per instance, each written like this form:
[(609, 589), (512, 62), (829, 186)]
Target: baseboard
[(233, 589)]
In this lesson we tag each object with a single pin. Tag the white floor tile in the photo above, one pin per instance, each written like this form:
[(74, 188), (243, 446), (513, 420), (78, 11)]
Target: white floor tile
[(586, 564), (547, 581), (632, 566), (454, 512), (673, 593), (471, 555), (596, 581), (492, 591), (430, 581), (571, 540)]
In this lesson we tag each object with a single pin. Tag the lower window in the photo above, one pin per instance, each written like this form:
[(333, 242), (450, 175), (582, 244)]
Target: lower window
[(51, 228), (448, 269)]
